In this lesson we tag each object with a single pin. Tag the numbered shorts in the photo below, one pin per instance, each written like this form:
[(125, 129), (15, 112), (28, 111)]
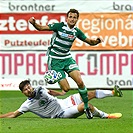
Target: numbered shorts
[(70, 106), (61, 66)]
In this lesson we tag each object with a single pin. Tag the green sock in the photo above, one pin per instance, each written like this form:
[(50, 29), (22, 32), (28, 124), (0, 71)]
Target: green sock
[(84, 95)]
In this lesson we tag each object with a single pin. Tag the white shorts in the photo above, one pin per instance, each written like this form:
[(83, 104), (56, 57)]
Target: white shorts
[(70, 106)]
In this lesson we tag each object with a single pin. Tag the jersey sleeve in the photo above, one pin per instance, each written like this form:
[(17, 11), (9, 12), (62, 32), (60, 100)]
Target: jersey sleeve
[(81, 35), (54, 26), (23, 108), (46, 94)]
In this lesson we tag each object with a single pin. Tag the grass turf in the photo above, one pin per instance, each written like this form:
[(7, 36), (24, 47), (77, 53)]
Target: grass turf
[(30, 123)]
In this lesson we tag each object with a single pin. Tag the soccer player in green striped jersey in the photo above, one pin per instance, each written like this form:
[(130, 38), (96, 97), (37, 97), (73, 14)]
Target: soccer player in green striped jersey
[(59, 56)]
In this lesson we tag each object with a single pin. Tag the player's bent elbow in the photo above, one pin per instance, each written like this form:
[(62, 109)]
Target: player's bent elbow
[(63, 92)]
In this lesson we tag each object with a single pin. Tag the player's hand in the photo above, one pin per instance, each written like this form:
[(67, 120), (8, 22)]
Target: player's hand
[(99, 40), (32, 20)]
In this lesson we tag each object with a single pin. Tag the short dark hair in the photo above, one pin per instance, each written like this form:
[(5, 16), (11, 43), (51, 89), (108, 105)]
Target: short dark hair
[(73, 11), (23, 83)]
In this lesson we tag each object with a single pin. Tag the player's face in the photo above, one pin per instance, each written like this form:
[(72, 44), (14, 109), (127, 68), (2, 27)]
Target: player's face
[(72, 19), (28, 90)]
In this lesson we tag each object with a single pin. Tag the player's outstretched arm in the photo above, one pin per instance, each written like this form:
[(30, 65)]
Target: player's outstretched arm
[(93, 42), (56, 93), (39, 27), (11, 114)]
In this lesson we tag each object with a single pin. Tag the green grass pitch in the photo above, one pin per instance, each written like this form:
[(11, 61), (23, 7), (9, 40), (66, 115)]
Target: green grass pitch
[(30, 123)]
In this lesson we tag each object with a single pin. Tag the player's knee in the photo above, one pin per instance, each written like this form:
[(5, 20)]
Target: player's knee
[(64, 85), (80, 84), (66, 89), (91, 107), (91, 94), (81, 107)]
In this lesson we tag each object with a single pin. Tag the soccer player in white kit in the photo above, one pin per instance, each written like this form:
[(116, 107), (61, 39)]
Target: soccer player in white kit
[(41, 103)]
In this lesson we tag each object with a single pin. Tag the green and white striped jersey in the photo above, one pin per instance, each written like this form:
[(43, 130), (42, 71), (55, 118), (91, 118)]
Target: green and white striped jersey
[(62, 40)]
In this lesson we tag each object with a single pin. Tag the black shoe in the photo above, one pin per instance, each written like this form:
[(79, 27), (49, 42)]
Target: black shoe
[(117, 91), (88, 113)]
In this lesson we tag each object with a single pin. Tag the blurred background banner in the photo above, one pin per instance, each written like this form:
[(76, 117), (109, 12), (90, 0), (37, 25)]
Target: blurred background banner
[(116, 30), (23, 49), (65, 5), (100, 69)]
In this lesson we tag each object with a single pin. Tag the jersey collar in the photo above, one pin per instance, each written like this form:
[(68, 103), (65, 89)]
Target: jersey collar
[(68, 27)]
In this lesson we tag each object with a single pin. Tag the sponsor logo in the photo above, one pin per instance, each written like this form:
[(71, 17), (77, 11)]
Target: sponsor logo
[(64, 35), (70, 36), (73, 66), (18, 23), (31, 7), (42, 102), (121, 82), (122, 7)]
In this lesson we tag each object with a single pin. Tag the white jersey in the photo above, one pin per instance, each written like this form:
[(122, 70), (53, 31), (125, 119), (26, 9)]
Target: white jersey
[(47, 106), (43, 104)]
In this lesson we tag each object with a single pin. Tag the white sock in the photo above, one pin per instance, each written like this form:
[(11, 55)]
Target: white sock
[(99, 113), (103, 93)]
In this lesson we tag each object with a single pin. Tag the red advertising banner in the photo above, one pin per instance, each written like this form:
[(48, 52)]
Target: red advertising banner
[(17, 23)]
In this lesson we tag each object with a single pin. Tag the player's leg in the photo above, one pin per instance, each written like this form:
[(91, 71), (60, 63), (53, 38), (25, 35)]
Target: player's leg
[(94, 94), (105, 93), (75, 74), (58, 66), (78, 110), (72, 112), (99, 113), (75, 100), (73, 71), (64, 85), (81, 87)]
